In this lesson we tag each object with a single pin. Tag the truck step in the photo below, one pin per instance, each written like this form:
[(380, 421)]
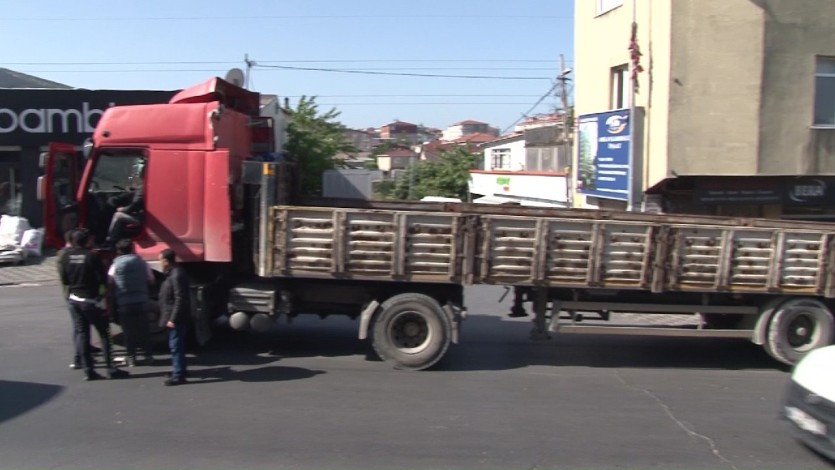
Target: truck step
[(644, 330)]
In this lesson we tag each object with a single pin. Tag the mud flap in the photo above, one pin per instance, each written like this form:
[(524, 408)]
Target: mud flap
[(201, 314)]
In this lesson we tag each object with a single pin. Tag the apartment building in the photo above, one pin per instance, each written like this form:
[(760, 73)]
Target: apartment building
[(706, 106), (468, 127)]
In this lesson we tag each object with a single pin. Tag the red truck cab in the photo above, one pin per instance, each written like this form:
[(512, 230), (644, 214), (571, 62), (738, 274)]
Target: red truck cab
[(187, 156)]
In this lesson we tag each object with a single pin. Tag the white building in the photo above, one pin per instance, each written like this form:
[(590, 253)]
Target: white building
[(505, 179)]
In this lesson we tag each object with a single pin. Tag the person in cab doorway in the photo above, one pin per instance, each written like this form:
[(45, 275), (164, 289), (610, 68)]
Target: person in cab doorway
[(129, 279), (130, 210), (175, 308), (83, 273)]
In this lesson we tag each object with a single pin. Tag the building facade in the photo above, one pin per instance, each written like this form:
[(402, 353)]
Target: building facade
[(464, 128), (526, 168), (730, 109)]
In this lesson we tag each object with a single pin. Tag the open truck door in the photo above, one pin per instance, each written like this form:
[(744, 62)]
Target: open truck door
[(57, 189)]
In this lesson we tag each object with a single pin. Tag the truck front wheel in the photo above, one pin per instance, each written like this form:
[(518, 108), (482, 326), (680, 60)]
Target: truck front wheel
[(797, 327), (411, 331)]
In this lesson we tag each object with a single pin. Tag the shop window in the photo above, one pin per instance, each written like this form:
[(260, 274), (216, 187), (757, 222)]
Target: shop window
[(11, 189), (825, 92)]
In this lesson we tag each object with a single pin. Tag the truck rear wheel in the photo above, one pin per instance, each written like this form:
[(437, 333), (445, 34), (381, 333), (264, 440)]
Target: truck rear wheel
[(797, 327), (411, 331)]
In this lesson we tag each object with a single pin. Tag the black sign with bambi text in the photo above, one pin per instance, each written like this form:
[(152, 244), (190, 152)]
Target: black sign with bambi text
[(35, 117)]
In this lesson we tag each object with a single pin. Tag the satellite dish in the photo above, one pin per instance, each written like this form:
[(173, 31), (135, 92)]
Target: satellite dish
[(235, 77)]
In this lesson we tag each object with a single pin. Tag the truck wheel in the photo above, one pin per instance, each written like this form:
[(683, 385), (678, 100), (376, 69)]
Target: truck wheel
[(411, 331), (797, 327)]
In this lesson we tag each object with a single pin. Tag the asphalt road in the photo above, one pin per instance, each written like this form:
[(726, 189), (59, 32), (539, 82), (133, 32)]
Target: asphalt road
[(310, 395)]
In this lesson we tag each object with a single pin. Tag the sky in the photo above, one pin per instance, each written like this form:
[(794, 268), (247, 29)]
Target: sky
[(371, 56)]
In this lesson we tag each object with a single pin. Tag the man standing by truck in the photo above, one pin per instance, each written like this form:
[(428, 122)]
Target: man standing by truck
[(83, 274), (129, 278), (175, 308)]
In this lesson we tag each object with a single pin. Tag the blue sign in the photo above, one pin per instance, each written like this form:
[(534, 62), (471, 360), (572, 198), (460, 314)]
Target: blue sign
[(603, 162)]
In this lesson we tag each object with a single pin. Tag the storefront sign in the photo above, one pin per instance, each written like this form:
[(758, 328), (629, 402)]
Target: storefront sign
[(800, 191), (34, 117), (604, 140)]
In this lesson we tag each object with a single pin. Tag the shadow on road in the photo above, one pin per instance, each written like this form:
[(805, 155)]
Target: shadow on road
[(226, 374), (17, 398), (491, 342)]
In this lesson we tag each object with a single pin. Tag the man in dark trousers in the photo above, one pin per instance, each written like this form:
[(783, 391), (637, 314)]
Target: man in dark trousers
[(175, 309), (68, 243), (129, 279), (83, 274), (130, 209)]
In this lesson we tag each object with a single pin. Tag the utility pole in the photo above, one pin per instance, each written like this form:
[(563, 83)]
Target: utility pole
[(566, 127), (249, 63)]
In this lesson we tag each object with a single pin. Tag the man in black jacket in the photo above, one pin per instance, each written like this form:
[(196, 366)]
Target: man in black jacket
[(175, 309), (82, 272)]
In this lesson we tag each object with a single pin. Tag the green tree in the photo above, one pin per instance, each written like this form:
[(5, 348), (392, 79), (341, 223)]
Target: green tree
[(449, 176), (313, 141)]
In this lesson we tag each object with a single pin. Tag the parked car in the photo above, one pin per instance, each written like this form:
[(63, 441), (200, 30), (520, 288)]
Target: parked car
[(809, 405)]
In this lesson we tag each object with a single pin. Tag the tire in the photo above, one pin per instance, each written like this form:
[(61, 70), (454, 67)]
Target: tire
[(797, 327), (411, 331)]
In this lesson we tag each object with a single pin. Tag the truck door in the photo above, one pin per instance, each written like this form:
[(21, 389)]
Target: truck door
[(57, 189)]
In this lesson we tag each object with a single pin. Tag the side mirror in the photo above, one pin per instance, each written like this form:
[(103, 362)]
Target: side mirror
[(40, 188), (87, 148)]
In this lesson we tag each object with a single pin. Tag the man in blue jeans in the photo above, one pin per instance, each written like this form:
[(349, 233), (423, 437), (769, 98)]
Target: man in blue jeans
[(175, 309)]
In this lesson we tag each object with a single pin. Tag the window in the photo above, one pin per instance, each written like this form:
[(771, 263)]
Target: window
[(546, 159), (500, 159), (10, 190), (117, 172), (620, 87), (825, 91), (607, 5)]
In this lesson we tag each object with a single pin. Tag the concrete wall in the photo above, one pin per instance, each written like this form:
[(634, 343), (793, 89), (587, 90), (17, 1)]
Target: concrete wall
[(795, 33), (716, 70)]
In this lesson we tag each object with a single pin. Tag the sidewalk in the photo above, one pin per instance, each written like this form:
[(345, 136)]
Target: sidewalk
[(33, 270)]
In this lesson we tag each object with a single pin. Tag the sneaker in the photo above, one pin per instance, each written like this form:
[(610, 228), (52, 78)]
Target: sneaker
[(115, 373), (130, 362), (92, 376), (174, 381), (75, 366)]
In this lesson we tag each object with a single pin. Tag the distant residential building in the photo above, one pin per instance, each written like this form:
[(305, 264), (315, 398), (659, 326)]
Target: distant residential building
[(428, 134), (396, 159), (399, 131), (463, 128), (362, 140), (271, 107)]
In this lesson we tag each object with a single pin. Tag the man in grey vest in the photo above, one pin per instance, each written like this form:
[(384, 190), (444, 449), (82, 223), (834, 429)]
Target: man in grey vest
[(130, 278)]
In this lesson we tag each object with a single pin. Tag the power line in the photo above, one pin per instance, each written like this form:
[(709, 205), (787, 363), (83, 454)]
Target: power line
[(419, 104), (368, 72), (457, 95), (292, 17), (538, 102), (305, 61)]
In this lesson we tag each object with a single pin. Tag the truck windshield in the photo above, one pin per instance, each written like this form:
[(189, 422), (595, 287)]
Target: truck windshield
[(117, 171)]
